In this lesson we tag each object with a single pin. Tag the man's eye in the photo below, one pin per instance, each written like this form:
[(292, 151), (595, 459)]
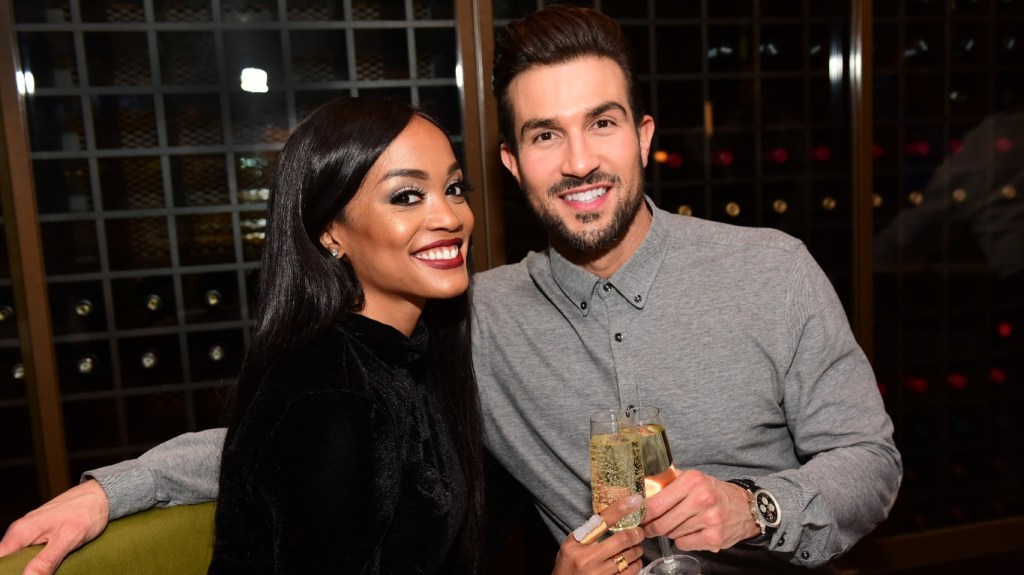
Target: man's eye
[(604, 123), (545, 136)]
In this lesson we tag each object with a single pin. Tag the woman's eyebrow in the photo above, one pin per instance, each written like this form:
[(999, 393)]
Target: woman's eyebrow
[(416, 173)]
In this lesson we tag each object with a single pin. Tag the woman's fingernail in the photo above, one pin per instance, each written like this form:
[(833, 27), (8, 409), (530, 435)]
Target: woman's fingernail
[(634, 500)]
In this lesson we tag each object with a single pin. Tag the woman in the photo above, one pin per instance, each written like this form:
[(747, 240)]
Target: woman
[(354, 445)]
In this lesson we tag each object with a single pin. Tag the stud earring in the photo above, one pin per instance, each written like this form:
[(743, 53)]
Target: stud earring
[(334, 253)]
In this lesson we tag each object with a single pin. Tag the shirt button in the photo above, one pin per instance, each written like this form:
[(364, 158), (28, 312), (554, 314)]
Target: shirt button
[(782, 540), (805, 555), (639, 298), (607, 287), (618, 337), (583, 305)]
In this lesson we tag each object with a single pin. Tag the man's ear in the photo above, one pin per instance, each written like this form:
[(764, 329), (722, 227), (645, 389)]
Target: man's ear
[(645, 132), (508, 157)]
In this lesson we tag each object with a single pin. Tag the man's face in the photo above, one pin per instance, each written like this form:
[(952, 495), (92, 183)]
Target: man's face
[(581, 158)]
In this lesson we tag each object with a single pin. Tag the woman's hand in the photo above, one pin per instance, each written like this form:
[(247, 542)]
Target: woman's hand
[(619, 553)]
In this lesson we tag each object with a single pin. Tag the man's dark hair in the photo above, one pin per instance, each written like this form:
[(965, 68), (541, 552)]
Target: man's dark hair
[(556, 35)]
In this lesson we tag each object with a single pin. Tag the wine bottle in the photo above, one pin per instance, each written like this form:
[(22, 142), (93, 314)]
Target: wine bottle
[(917, 384), (83, 308), (216, 352), (153, 302), (212, 297), (86, 364)]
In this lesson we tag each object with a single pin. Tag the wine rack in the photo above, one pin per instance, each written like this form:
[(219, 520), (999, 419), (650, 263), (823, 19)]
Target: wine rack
[(16, 450), (153, 167), (949, 282)]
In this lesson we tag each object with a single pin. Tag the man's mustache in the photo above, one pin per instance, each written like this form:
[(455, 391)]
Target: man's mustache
[(569, 182)]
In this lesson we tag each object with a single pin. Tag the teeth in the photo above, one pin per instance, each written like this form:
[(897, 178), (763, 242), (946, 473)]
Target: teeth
[(587, 196), (446, 253)]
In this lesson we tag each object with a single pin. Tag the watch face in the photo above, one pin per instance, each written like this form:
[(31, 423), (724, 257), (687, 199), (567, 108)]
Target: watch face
[(768, 508)]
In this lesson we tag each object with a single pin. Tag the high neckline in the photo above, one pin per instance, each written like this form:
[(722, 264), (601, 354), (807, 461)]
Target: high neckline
[(385, 341)]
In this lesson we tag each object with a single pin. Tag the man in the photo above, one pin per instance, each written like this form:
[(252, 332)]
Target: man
[(734, 332)]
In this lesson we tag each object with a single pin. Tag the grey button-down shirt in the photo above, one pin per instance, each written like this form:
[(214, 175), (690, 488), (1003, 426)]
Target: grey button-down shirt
[(736, 334)]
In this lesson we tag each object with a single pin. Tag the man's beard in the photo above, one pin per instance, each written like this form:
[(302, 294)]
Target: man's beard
[(589, 240)]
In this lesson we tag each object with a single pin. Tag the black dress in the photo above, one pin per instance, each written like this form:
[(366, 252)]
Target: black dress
[(342, 464)]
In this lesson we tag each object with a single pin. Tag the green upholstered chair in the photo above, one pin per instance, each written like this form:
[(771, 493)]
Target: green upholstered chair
[(172, 541)]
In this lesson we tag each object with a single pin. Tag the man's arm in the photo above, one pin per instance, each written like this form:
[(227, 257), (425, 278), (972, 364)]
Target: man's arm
[(850, 470), (179, 471)]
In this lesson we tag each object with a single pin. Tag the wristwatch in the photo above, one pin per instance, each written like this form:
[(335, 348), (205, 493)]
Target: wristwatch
[(763, 506)]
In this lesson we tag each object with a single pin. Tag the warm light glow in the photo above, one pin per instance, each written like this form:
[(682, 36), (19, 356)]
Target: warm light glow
[(254, 80), (661, 156)]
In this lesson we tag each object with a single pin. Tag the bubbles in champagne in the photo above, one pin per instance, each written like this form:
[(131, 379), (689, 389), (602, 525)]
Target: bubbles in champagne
[(616, 472)]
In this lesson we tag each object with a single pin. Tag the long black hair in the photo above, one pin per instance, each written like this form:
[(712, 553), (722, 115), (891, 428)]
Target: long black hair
[(304, 290)]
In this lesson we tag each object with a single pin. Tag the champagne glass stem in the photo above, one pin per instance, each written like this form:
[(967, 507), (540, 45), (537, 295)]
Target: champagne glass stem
[(666, 551)]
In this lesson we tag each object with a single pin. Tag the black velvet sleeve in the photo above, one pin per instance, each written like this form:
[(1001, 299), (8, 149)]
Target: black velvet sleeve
[(305, 491)]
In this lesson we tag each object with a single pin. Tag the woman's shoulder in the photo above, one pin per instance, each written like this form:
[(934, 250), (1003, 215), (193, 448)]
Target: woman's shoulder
[(315, 366)]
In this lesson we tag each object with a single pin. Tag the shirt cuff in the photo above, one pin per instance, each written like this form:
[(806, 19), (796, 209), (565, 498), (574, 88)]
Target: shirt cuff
[(129, 487)]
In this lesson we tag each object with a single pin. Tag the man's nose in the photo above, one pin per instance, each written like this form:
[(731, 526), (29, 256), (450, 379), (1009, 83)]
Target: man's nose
[(580, 157)]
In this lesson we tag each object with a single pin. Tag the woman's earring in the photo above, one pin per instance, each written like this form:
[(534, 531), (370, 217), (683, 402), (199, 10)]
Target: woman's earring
[(334, 253)]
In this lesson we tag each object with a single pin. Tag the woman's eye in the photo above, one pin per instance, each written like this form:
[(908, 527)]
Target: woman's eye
[(407, 197), (460, 189)]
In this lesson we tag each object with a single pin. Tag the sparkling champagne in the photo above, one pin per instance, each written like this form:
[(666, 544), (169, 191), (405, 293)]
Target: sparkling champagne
[(657, 457), (616, 472)]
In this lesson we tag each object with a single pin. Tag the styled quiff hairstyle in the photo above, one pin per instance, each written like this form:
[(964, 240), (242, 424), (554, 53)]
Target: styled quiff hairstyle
[(556, 35)]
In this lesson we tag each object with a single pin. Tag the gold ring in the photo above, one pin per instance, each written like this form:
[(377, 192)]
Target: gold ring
[(621, 563)]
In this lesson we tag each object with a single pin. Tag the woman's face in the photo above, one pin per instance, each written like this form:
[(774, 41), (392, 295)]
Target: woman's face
[(406, 231)]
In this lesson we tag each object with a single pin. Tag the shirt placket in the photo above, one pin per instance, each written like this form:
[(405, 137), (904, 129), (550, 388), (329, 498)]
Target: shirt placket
[(617, 314)]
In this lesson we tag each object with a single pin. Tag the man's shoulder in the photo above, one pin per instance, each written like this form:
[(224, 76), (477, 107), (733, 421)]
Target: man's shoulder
[(694, 234), (692, 230), (509, 278)]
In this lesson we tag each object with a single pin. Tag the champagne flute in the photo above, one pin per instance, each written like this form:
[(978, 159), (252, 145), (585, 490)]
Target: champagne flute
[(659, 472), (616, 464)]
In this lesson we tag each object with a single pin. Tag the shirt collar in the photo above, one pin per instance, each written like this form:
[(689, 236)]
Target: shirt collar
[(632, 281)]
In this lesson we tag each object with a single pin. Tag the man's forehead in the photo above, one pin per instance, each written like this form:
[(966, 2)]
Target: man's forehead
[(567, 89)]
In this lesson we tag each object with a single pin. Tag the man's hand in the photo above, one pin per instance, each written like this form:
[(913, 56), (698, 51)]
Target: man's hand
[(700, 513), (64, 523), (619, 553)]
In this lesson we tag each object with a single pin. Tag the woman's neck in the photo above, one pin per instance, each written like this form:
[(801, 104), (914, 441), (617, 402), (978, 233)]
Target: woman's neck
[(400, 314)]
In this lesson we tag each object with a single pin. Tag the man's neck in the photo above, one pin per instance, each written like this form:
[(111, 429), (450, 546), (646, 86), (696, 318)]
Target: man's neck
[(605, 263)]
